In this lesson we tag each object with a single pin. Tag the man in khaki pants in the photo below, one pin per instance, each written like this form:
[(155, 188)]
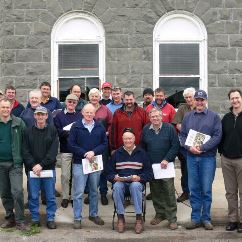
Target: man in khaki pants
[(231, 150)]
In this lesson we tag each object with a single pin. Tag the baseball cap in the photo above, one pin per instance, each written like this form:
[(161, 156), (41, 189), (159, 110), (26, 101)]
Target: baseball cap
[(41, 109), (201, 94), (130, 130), (106, 84), (71, 97)]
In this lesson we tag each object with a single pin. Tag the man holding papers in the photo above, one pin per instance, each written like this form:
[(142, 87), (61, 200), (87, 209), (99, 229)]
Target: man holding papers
[(129, 169), (87, 139), (200, 134), (63, 121), (162, 145), (40, 148)]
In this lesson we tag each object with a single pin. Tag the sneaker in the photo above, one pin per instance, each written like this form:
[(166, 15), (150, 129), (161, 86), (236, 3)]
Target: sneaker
[(51, 225), (156, 220), (121, 224), (173, 226), (231, 226), (139, 226), (207, 225), (97, 220), (184, 196), (8, 224), (22, 226), (104, 200), (193, 225), (77, 224), (64, 203), (35, 224), (86, 200), (149, 196)]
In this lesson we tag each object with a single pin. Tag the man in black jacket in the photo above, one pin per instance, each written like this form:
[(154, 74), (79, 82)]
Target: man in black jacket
[(40, 148)]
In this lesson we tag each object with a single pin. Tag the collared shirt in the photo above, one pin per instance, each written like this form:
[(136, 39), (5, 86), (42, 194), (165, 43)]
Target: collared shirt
[(130, 151), (88, 126), (156, 130), (66, 111)]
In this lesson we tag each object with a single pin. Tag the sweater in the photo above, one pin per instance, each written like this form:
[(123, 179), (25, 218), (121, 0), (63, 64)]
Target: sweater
[(40, 146), (124, 164), (17, 109), (161, 146), (104, 116), (61, 120), (81, 141)]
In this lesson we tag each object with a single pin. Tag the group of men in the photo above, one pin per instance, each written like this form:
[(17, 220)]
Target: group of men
[(137, 140)]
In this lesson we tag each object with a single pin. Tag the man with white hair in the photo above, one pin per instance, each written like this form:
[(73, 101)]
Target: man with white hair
[(188, 95)]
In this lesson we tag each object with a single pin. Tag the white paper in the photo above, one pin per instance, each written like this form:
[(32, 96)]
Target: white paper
[(195, 138), (43, 174), (160, 173), (68, 127), (92, 166)]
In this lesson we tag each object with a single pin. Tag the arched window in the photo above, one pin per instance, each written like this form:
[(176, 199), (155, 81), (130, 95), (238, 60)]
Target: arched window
[(180, 54), (77, 53)]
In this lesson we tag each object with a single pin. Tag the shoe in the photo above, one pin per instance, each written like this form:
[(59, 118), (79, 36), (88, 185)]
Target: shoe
[(149, 196), (193, 225), (51, 225), (156, 220), (139, 226), (104, 200), (184, 196), (121, 224), (22, 226), (239, 228), (97, 220), (35, 224), (173, 226), (207, 225), (43, 201), (86, 200), (231, 226), (77, 224), (8, 224), (57, 194), (64, 203)]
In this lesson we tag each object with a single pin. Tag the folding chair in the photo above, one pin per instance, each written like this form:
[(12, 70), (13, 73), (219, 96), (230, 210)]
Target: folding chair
[(127, 197)]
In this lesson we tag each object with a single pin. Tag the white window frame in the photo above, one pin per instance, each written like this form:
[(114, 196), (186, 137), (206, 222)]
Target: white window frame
[(62, 35), (181, 27)]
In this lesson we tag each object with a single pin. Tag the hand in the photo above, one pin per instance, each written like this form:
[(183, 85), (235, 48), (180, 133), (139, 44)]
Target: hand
[(37, 169), (195, 150), (135, 178), (89, 155), (164, 164), (117, 178)]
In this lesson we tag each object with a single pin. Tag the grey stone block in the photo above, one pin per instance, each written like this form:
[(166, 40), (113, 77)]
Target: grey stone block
[(65, 5), (129, 27), (226, 80), (46, 55), (180, 5), (237, 14), (111, 54), (28, 55), (115, 27), (235, 67), (239, 80), (38, 4), (226, 53), (191, 5), (14, 42), (217, 67), (216, 28), (144, 67), (123, 55), (54, 7), (212, 80), (8, 56), (124, 14), (41, 29), (214, 106), (157, 7), (218, 40), (8, 4), (7, 29), (77, 4), (216, 4), (212, 54), (14, 16), (14, 69), (129, 81), (169, 5), (116, 4), (47, 17), (22, 28), (36, 42), (202, 7), (210, 16), (136, 3), (149, 16), (225, 14), (218, 94), (32, 15), (117, 41), (147, 81), (117, 67), (143, 27), (232, 27), (100, 7), (108, 16), (21, 4), (37, 68), (235, 40), (239, 53), (140, 40), (27, 82), (233, 3)]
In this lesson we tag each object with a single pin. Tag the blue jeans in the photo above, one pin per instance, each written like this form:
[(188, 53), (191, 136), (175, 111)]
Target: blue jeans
[(34, 187), (201, 171), (182, 156), (79, 180), (135, 189)]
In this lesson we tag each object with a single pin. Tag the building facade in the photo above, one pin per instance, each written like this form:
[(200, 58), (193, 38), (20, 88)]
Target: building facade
[(133, 44)]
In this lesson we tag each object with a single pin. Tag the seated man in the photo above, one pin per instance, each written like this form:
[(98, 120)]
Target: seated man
[(129, 169)]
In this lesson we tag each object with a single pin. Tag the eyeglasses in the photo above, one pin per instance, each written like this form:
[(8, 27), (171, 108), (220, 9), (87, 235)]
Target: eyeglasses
[(72, 101)]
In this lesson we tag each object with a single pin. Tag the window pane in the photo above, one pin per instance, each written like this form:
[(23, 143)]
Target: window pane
[(179, 59), (174, 87), (78, 60)]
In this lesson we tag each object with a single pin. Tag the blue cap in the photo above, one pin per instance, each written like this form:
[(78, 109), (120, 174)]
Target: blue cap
[(41, 109), (201, 94)]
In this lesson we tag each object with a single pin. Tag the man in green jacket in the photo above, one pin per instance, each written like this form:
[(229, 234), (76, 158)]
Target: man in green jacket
[(11, 167)]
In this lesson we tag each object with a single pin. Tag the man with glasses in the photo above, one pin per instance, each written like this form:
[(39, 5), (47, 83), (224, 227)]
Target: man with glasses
[(62, 120)]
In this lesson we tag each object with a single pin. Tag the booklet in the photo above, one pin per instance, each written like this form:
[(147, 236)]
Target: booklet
[(126, 178), (160, 173), (195, 138), (92, 166), (68, 127), (43, 174)]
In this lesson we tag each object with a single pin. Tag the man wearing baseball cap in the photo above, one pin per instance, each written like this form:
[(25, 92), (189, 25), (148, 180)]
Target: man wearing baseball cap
[(201, 158), (106, 93)]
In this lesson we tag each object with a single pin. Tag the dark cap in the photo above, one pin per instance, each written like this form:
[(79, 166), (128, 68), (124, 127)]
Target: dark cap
[(148, 91), (201, 94), (130, 130)]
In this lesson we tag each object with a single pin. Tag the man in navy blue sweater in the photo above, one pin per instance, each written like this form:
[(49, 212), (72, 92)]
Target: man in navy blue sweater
[(87, 139), (129, 169), (161, 142), (201, 161), (62, 119)]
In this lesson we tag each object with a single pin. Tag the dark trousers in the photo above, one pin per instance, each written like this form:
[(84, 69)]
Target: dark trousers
[(11, 190), (182, 156)]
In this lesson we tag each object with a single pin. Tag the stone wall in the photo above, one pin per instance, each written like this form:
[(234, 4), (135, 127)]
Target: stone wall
[(26, 27)]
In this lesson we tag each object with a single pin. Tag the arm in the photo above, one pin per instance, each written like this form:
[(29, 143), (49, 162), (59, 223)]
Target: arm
[(62, 133), (147, 173), (27, 156)]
